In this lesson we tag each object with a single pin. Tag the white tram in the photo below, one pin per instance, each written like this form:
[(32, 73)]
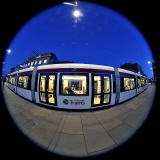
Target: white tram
[(76, 86)]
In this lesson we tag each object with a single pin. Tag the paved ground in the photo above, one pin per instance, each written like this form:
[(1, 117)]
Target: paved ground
[(80, 133)]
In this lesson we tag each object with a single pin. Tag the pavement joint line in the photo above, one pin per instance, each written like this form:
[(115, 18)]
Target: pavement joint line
[(54, 135), (107, 132), (84, 137), (58, 131)]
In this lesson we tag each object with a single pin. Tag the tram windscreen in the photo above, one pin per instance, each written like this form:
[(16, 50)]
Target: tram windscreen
[(74, 85)]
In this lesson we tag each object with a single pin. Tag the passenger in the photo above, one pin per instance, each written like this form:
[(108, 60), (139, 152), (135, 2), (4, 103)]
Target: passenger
[(70, 91)]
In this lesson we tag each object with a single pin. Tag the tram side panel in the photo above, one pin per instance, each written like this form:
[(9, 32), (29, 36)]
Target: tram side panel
[(113, 89), (37, 88)]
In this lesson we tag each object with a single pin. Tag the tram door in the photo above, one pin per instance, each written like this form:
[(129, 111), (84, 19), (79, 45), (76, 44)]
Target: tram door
[(101, 90), (47, 89)]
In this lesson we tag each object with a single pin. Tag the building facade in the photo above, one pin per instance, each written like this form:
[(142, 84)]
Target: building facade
[(134, 67)]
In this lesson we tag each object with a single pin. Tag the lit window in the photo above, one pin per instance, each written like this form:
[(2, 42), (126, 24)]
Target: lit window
[(28, 64), (45, 61), (97, 84), (40, 62), (74, 85), (20, 81), (31, 63), (127, 84), (35, 62)]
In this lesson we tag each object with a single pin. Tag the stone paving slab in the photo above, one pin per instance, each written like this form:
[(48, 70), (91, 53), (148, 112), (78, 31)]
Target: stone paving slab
[(89, 120), (56, 137), (121, 133), (111, 124), (72, 125), (96, 138), (72, 145), (134, 119), (108, 115), (42, 133)]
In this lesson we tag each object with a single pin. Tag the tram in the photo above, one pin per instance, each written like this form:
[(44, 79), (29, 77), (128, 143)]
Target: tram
[(76, 86)]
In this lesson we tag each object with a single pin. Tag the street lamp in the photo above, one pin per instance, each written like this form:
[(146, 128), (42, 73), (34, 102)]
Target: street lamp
[(8, 51)]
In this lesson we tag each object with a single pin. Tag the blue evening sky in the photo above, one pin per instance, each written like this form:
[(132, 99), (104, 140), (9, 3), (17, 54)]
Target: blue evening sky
[(99, 36)]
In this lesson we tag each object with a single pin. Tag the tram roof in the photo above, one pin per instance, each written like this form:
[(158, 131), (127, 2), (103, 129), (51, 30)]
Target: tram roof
[(75, 65), (129, 72)]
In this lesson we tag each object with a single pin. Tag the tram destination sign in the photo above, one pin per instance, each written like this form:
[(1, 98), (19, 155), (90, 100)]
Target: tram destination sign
[(74, 102)]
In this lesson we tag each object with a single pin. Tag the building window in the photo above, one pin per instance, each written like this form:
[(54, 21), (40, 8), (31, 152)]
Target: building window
[(32, 63), (35, 62), (40, 61), (73, 85), (45, 61)]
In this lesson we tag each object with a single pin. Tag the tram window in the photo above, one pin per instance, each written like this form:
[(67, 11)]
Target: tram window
[(43, 96), (106, 98), (51, 83), (129, 83), (97, 99), (13, 80), (106, 84), (132, 83), (31, 63), (97, 84), (126, 84), (20, 82), (74, 85), (142, 81), (42, 84), (51, 98), (24, 82), (40, 61)]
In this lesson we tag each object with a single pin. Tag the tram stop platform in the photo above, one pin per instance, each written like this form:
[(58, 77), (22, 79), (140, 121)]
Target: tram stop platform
[(80, 133)]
